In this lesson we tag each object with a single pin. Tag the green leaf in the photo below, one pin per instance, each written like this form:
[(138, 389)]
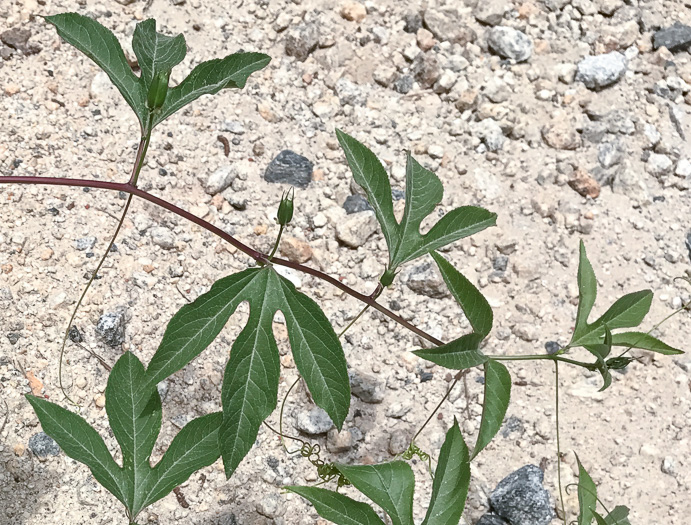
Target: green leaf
[(423, 192), (135, 417), (599, 519), (338, 508), (587, 496), (156, 52), (389, 485), (81, 442), (451, 481), (209, 77), (196, 446), (618, 516), (457, 224), (472, 302), (372, 177), (250, 382), (587, 291), (100, 45), (459, 354), (251, 379), (495, 404), (643, 341), (601, 351), (627, 311)]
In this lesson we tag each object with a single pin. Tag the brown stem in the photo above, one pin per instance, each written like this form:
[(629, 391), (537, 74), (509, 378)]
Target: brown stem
[(256, 255)]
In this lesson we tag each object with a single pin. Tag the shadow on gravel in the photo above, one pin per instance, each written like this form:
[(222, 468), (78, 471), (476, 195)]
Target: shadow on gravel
[(26, 488)]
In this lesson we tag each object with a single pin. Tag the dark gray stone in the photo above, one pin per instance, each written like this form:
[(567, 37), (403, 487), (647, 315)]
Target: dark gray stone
[(413, 22), (43, 445), (510, 43), (552, 347), (290, 168), (500, 263), (512, 424), (16, 38), (355, 204), (521, 499), (676, 37), (368, 388), (425, 279), (301, 41), (85, 243), (403, 84), (594, 131), (111, 328), (75, 335), (491, 519), (313, 422), (13, 337), (688, 243)]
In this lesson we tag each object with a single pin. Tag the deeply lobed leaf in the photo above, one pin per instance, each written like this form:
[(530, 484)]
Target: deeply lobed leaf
[(251, 379), (423, 192), (134, 413)]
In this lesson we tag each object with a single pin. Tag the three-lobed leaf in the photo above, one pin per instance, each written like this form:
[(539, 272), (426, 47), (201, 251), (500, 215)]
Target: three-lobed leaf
[(338, 508), (250, 384), (459, 354), (389, 485), (451, 481), (423, 192), (496, 402), (100, 45), (156, 53), (134, 413), (627, 311)]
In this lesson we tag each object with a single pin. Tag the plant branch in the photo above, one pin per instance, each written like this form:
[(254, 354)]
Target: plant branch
[(256, 255)]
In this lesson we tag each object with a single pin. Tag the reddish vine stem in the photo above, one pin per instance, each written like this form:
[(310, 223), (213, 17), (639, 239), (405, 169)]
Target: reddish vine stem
[(260, 257)]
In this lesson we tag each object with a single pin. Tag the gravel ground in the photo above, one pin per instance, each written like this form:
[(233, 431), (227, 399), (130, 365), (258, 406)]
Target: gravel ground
[(568, 118)]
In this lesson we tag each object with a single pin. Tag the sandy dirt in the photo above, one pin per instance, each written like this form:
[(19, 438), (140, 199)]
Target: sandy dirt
[(516, 138)]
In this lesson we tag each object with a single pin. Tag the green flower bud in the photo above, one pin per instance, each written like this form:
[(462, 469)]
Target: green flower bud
[(387, 277), (285, 208), (158, 90)]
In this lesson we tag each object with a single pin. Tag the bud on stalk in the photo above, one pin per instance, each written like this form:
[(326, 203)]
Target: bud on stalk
[(285, 208)]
